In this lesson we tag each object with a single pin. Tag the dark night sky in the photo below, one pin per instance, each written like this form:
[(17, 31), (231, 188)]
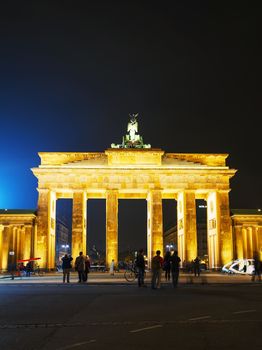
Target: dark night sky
[(70, 74)]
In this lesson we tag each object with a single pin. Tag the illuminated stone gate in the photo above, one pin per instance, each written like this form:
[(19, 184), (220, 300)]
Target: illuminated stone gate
[(136, 173)]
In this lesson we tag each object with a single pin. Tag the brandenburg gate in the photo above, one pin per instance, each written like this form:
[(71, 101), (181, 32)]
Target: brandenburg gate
[(133, 170)]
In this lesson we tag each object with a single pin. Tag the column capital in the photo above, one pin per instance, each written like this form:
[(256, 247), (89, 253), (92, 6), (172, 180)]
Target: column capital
[(153, 192)]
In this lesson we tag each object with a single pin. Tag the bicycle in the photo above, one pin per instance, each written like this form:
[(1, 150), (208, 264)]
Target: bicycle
[(37, 271), (131, 274)]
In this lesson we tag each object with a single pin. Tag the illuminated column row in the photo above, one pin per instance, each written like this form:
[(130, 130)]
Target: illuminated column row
[(248, 241), (220, 248), (13, 238)]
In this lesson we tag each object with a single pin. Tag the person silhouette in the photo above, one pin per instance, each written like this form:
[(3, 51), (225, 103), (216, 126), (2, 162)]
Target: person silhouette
[(175, 263)]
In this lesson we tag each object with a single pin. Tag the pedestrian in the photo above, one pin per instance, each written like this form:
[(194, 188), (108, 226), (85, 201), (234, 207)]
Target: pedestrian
[(257, 268), (157, 264), (140, 266), (28, 269), (66, 267), (175, 263), (87, 268), (80, 267), (112, 267), (167, 265), (197, 266)]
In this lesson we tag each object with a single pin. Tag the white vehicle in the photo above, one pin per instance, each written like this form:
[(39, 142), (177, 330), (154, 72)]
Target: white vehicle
[(240, 266)]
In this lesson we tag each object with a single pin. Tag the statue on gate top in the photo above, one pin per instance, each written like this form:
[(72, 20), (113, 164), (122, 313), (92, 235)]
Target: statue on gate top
[(132, 139)]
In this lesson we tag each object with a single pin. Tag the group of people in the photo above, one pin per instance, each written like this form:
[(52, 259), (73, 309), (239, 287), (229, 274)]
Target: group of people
[(157, 266), (82, 266), (25, 270)]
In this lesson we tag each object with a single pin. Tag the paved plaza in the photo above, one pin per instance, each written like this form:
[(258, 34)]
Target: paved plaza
[(109, 313), (118, 278)]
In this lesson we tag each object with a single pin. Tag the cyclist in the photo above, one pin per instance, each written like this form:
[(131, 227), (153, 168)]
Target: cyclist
[(140, 265)]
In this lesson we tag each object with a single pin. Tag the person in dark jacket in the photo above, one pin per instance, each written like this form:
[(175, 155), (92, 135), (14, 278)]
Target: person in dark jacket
[(66, 267), (175, 262), (167, 265), (28, 269), (80, 267), (140, 265), (257, 268)]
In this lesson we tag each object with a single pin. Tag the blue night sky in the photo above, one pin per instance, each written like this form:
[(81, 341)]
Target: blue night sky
[(70, 74)]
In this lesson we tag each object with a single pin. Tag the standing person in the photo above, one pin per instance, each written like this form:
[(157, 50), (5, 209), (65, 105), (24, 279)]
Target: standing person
[(66, 267), (87, 268), (80, 267), (28, 269), (197, 266), (257, 268), (112, 267), (140, 265), (167, 265), (175, 262), (157, 264)]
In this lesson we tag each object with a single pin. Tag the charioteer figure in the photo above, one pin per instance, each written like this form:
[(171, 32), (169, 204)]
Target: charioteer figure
[(132, 139)]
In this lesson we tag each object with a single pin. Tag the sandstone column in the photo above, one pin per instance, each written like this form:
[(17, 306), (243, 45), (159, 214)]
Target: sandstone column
[(212, 230), (249, 243), (225, 233), (18, 242), (239, 254), (28, 243), (22, 242), (186, 226), (244, 238), (79, 224), (255, 238), (154, 224), (5, 246), (34, 240), (46, 222), (111, 226)]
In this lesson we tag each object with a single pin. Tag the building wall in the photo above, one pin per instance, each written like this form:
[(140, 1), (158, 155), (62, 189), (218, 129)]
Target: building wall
[(17, 237)]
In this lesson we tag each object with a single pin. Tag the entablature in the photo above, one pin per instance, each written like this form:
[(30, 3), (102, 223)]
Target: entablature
[(123, 158)]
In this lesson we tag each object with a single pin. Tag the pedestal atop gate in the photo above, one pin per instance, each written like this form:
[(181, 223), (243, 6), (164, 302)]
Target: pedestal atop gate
[(134, 157)]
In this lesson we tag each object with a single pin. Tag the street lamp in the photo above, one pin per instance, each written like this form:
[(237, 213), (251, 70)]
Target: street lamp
[(65, 246)]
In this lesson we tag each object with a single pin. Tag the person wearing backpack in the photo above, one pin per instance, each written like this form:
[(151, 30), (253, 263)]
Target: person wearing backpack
[(80, 267), (157, 264), (66, 266)]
